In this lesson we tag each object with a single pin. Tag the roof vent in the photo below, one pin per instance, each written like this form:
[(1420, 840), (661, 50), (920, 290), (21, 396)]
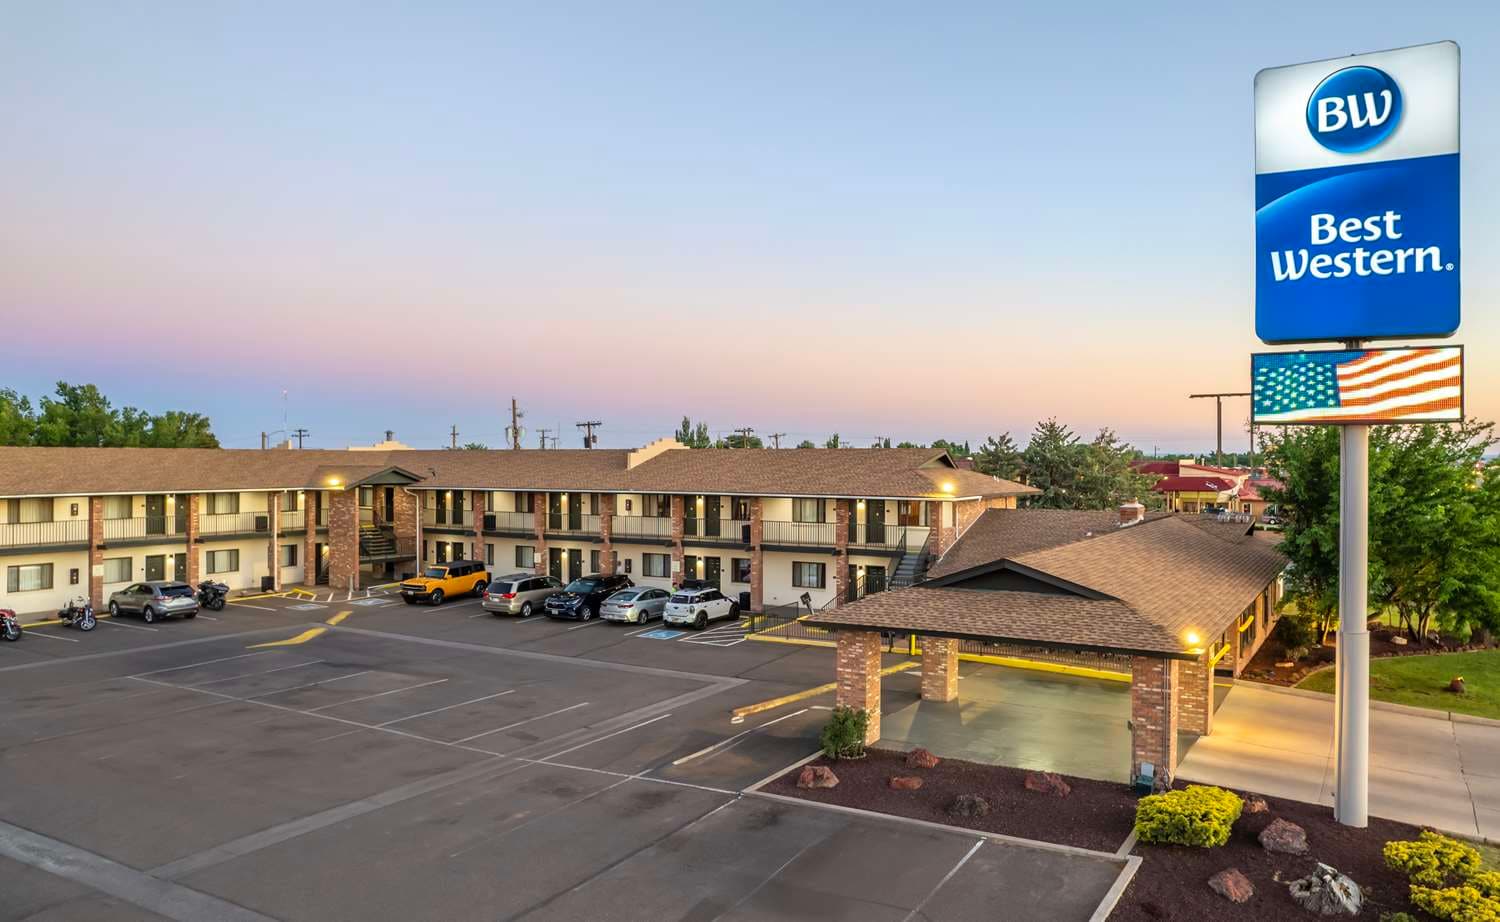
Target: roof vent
[(1131, 513)]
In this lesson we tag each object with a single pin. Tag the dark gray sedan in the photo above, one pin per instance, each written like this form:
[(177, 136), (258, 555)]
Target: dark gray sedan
[(635, 605), (155, 599)]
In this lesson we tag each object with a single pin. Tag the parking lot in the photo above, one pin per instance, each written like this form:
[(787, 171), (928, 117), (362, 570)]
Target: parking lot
[(351, 757)]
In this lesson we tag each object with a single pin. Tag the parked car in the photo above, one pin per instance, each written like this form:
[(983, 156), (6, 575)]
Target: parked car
[(442, 580), (158, 598), (635, 605), (699, 606), (582, 597), (519, 593)]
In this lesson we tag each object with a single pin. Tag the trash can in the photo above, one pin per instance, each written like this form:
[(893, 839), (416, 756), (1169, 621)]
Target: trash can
[(744, 601), (267, 583)]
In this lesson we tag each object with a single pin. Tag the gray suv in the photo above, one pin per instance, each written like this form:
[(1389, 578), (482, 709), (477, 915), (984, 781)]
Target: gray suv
[(519, 594), (155, 599)]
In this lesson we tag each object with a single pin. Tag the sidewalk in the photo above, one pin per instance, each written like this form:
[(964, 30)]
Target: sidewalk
[(1424, 770)]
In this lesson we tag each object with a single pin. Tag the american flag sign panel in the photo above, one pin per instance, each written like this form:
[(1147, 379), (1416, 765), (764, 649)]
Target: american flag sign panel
[(1403, 385)]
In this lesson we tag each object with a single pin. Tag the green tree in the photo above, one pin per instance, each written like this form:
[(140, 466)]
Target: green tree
[(905, 444), (806, 443), (181, 429), (80, 415), (473, 446), (17, 419), (1105, 477), (954, 449), (999, 457), (736, 440), (693, 436), (833, 441), (1052, 461), (1306, 462)]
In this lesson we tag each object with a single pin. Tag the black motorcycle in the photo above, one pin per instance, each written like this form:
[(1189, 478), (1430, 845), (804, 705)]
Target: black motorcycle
[(212, 595), (10, 625), (78, 613)]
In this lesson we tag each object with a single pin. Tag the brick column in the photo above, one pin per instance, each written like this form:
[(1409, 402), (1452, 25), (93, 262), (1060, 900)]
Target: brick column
[(309, 538), (939, 669), (942, 537), (343, 538), (757, 556), (407, 526), (1195, 692), (1153, 716), (539, 522), (677, 513), (858, 676), (479, 500), (95, 572), (841, 552), (607, 533), (194, 542), (273, 543)]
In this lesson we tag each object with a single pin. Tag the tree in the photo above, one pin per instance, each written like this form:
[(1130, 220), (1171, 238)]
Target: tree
[(954, 449), (181, 429), (999, 457), (736, 440), (806, 443), (1105, 478), (905, 444), (473, 446), (693, 436), (80, 415), (17, 419), (1052, 460), (1434, 543), (833, 441)]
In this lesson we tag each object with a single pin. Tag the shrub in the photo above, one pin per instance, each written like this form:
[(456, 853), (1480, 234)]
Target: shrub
[(1295, 634), (844, 735), (1197, 815), (1432, 859), (1486, 882), (1397, 917), (1456, 904)]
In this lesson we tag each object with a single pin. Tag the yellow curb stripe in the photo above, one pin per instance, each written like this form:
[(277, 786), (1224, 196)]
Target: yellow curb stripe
[(793, 640), (303, 637), (1038, 666), (338, 618), (773, 703)]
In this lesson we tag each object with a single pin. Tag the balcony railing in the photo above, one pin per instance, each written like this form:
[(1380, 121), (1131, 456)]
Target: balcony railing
[(43, 534), (718, 530), (293, 519), (149, 526), (234, 523), (885, 537), (801, 534), (572, 524), (514, 522), (627, 527), (447, 518)]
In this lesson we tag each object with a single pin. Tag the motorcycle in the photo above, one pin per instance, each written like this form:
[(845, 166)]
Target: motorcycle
[(211, 595), (10, 625), (78, 613)]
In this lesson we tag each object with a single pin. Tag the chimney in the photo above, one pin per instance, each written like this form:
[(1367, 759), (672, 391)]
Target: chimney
[(390, 435), (1131, 513)]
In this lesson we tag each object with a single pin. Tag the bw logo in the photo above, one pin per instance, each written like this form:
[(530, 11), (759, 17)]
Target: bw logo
[(1354, 109)]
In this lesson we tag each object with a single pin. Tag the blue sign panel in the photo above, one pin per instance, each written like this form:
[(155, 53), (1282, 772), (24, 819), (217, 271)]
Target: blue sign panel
[(1356, 197)]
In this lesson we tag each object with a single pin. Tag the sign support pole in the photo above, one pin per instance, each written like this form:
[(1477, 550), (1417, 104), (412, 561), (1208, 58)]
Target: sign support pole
[(1352, 666)]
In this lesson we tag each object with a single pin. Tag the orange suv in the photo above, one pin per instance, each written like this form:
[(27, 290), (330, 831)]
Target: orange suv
[(442, 580)]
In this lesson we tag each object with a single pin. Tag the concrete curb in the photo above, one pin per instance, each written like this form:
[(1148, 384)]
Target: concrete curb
[(1117, 889), (1407, 709), (779, 772)]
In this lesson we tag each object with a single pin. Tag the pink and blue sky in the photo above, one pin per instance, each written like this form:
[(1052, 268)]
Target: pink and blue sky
[(876, 219)]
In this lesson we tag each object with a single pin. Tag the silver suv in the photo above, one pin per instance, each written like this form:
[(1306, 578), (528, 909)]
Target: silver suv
[(519, 594), (155, 599)]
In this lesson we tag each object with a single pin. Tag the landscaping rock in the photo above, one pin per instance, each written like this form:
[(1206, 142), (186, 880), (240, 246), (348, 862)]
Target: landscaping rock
[(1255, 805), (970, 805), (905, 782), (1047, 783), (817, 776), (1327, 892), (921, 758), (1284, 837), (1456, 685), (1232, 885)]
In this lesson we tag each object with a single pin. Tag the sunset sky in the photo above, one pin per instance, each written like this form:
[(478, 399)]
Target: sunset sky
[(910, 220)]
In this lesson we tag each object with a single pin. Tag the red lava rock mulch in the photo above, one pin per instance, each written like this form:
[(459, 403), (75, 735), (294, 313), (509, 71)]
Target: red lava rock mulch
[(1172, 882), (1095, 814)]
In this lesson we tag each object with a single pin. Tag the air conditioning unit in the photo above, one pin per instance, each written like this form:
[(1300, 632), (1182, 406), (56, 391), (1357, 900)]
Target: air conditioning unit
[(263, 523)]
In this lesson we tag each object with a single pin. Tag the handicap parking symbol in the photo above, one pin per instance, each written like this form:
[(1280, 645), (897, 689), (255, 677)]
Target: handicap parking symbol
[(306, 606), (371, 602), (663, 634)]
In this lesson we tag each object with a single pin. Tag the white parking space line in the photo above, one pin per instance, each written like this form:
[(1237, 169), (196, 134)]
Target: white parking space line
[(605, 737), (520, 722), (222, 659), (916, 911), (643, 630), (207, 617), (585, 624), (721, 744), (508, 691), (248, 605), (377, 694), (296, 687), (33, 632), (534, 619), (247, 674), (134, 627)]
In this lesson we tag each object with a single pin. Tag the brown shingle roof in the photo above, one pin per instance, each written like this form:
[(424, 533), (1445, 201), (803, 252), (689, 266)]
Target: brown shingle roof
[(1002, 533)]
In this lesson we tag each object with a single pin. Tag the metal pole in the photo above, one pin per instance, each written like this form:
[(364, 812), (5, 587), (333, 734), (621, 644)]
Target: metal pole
[(1219, 443), (1352, 667)]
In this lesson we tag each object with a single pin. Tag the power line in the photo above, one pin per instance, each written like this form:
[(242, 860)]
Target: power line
[(589, 439)]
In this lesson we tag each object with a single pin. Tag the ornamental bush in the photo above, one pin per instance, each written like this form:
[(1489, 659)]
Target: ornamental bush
[(1456, 904), (1198, 815), (1432, 859), (844, 735), (1486, 882)]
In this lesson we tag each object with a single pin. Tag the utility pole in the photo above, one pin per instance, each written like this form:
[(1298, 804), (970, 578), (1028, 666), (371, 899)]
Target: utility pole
[(544, 437), (453, 436), (776, 438), (744, 434), (1219, 408), (262, 441), (588, 431), (514, 433), (300, 434), (880, 441)]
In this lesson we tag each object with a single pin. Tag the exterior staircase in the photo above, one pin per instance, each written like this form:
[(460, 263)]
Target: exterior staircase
[(377, 542), (911, 569)]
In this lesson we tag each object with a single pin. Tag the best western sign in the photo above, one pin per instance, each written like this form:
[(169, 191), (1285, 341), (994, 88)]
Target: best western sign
[(1356, 197)]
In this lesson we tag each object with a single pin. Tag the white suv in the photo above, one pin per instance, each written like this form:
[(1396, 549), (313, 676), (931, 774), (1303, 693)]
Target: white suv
[(698, 607)]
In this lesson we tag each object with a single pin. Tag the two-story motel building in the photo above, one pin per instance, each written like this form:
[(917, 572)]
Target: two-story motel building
[(828, 524)]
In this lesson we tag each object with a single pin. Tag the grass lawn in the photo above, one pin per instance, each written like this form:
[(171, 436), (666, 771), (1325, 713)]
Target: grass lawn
[(1422, 681)]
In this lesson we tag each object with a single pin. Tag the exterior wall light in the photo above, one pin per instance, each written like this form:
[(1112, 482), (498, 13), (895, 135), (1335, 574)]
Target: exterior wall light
[(948, 486)]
